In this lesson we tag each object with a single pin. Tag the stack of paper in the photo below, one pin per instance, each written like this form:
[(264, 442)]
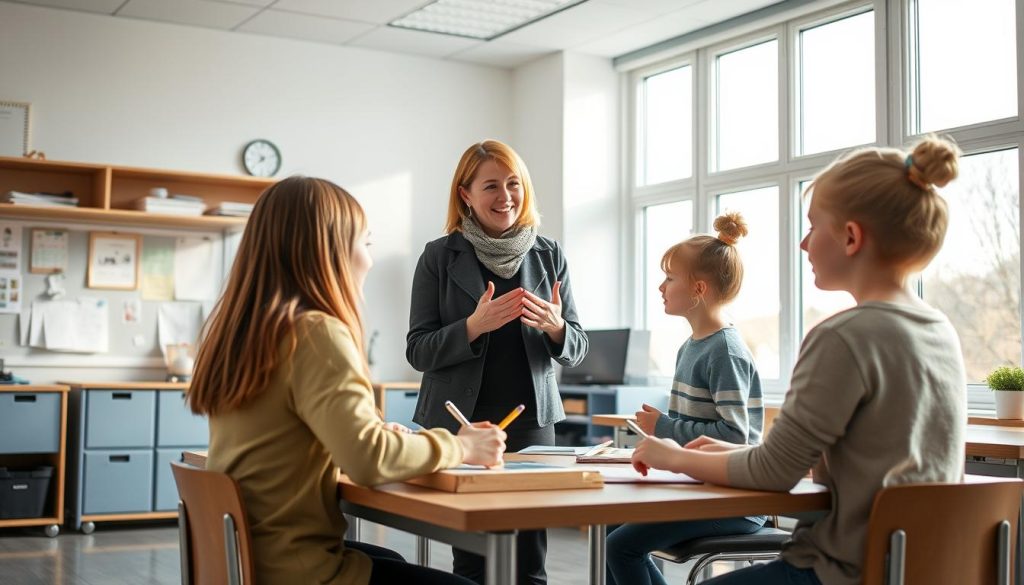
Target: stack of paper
[(49, 199), (171, 206), (232, 209)]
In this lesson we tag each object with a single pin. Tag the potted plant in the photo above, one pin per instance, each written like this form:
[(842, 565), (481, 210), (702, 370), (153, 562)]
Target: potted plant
[(1008, 384)]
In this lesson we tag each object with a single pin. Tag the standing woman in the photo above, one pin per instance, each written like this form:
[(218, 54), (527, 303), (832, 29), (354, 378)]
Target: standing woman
[(491, 308), (282, 375)]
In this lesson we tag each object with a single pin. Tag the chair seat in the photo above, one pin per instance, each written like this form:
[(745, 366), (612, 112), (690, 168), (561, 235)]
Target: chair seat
[(764, 540)]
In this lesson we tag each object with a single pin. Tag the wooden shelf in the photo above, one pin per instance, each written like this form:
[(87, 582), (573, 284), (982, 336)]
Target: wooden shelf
[(107, 194)]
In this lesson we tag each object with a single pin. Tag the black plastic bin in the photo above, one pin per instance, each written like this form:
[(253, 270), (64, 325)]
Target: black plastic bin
[(23, 492)]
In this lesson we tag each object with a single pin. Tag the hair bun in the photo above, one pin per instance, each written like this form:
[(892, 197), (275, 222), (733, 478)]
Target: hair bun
[(936, 160), (730, 227)]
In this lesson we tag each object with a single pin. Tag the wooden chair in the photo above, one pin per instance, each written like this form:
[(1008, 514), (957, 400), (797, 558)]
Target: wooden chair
[(213, 529), (943, 533)]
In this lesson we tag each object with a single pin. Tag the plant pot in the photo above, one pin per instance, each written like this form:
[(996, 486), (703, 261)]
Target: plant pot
[(1009, 404)]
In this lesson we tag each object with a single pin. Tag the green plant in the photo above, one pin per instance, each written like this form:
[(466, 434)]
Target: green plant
[(1006, 378)]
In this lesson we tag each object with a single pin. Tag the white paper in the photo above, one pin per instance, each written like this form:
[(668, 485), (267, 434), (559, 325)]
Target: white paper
[(49, 250), (197, 268), (80, 325), (23, 328), (178, 323)]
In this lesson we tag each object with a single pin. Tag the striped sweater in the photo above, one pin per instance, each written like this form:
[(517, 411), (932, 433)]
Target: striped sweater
[(716, 392)]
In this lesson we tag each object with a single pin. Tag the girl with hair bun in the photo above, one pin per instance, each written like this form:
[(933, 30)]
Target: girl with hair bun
[(877, 396), (716, 390)]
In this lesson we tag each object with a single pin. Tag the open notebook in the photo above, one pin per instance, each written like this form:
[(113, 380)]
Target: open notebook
[(605, 455)]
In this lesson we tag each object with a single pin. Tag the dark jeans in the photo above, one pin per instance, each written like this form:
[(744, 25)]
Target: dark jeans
[(773, 573), (630, 545), (531, 545), (389, 567)]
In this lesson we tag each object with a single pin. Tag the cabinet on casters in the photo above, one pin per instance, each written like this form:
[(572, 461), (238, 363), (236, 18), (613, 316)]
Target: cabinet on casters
[(32, 436), (124, 437)]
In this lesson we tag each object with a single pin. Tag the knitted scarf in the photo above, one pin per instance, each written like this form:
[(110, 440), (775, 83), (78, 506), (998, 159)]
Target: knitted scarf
[(502, 255)]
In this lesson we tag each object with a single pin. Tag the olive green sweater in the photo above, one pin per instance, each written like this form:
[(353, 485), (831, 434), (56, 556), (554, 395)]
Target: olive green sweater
[(284, 445), (878, 398)]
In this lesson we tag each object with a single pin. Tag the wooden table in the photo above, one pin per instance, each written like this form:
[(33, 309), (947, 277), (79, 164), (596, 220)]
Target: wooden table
[(998, 442)]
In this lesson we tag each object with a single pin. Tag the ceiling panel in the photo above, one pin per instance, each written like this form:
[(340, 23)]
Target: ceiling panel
[(644, 34), (575, 26), (373, 11), (717, 11), (499, 53), (387, 38), (101, 6), (305, 27), (195, 12), (651, 7)]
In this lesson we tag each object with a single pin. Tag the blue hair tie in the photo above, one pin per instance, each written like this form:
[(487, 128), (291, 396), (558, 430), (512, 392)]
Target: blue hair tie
[(909, 161)]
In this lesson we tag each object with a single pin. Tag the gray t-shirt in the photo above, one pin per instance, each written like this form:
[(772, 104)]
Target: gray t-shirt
[(878, 398)]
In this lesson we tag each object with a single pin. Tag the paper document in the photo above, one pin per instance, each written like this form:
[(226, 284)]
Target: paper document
[(197, 268), (552, 450), (178, 323), (80, 325), (626, 474)]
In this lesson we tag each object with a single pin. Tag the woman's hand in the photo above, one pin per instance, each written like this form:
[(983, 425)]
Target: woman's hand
[(491, 313), (656, 453), (647, 418), (710, 445), (483, 443), (393, 426), (544, 315)]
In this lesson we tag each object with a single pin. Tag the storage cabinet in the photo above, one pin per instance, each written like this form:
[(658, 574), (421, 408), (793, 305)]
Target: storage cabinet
[(577, 428), (32, 434), (397, 401), (106, 194), (124, 437)]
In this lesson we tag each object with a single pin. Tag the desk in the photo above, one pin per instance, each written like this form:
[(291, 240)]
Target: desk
[(486, 524), (997, 442)]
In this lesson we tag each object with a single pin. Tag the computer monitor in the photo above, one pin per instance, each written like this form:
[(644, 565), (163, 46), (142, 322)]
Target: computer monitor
[(606, 361)]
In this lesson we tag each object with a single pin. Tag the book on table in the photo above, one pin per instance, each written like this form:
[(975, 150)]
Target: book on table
[(606, 455), (514, 476)]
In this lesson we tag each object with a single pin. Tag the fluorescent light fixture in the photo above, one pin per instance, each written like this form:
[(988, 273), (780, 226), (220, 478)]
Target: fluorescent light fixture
[(480, 19)]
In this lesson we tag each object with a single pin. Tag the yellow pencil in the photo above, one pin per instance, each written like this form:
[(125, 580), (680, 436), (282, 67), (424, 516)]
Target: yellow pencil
[(511, 416)]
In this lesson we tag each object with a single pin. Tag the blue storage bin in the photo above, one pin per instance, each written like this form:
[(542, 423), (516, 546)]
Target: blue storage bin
[(117, 481), (166, 499), (29, 422), (119, 418), (176, 426)]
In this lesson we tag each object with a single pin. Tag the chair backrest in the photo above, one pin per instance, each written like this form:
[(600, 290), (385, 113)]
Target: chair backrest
[(770, 412), (216, 527), (949, 533)]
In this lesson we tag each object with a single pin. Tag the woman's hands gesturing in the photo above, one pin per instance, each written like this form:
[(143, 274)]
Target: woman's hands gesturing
[(491, 313), (544, 315)]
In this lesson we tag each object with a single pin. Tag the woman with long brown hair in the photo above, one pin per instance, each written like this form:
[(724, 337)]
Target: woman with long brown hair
[(282, 375)]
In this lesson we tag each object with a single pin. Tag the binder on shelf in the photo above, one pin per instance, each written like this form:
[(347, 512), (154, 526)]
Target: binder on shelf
[(170, 206), (514, 476)]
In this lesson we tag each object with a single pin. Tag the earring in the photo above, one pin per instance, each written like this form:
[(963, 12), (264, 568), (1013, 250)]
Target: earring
[(469, 211)]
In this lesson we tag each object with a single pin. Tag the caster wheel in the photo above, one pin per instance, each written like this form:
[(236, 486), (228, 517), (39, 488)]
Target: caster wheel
[(88, 528), (52, 530)]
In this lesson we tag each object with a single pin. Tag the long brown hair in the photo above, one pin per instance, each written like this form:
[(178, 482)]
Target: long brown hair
[(294, 257), (470, 162)]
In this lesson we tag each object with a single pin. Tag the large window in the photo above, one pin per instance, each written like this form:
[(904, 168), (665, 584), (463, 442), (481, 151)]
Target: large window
[(778, 104), (667, 127), (664, 225)]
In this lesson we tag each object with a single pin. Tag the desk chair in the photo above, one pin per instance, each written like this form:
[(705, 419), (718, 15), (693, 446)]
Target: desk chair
[(213, 529), (943, 534), (763, 545)]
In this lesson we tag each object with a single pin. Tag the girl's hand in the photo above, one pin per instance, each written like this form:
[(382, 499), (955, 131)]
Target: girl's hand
[(393, 426), (657, 453), (647, 418), (483, 443), (709, 445), (491, 313), (544, 315)]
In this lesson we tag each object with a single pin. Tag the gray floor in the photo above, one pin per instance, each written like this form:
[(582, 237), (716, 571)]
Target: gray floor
[(117, 554)]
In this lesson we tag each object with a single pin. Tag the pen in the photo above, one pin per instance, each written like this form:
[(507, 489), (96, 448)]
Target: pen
[(457, 413), (597, 449), (636, 428), (511, 416)]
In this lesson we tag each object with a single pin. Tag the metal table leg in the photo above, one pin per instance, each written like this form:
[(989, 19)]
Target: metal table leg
[(500, 561), (353, 532), (422, 551), (597, 553)]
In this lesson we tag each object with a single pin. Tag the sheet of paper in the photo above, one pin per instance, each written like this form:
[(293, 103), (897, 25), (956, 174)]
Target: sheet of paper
[(24, 322), (626, 474), (93, 321), (157, 273), (197, 268), (178, 323), (35, 335), (49, 250), (80, 325)]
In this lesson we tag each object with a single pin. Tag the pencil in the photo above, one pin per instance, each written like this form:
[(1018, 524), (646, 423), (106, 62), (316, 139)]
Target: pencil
[(454, 410), (511, 416), (597, 449), (636, 428)]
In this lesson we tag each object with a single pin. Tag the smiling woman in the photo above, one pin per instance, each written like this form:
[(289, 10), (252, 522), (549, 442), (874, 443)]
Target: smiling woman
[(491, 308)]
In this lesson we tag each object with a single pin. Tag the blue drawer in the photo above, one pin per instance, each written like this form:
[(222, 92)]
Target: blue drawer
[(117, 481), (166, 490), (119, 418), (176, 426), (29, 422), (400, 406)]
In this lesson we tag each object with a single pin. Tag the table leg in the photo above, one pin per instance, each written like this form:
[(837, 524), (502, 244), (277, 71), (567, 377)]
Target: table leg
[(619, 437), (597, 553), (422, 551), (353, 528), (500, 561)]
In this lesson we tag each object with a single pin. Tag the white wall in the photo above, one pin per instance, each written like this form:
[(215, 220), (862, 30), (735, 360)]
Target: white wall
[(387, 127)]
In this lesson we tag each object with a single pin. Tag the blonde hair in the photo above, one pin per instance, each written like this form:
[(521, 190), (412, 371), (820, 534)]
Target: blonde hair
[(294, 257), (892, 195), (713, 258), (465, 173)]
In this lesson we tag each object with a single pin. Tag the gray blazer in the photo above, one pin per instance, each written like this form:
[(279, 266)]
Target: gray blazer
[(445, 291)]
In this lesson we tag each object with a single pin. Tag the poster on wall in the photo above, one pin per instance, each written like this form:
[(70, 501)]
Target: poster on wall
[(113, 261), (11, 282)]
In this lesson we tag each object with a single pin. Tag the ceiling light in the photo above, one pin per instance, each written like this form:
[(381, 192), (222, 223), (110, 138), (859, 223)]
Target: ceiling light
[(479, 19)]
